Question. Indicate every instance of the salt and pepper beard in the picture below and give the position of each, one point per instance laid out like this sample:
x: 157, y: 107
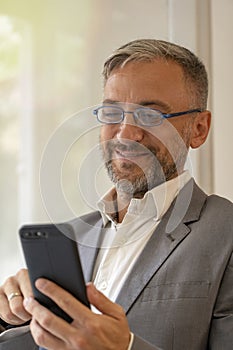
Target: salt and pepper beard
x: 161, y: 168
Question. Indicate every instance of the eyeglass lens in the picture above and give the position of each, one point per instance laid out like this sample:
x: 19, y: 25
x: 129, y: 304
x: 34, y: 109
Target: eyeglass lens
x: 142, y: 116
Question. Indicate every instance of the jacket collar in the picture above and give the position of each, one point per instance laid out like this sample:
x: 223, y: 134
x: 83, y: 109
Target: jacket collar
x: 171, y: 231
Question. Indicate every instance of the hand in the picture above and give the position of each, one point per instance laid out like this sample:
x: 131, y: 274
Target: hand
x: 88, y: 330
x: 12, y: 311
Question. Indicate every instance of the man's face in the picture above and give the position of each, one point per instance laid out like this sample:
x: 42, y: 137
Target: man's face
x: 139, y: 158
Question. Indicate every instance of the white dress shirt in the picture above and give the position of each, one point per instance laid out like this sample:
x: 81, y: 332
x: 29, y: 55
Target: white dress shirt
x: 124, y: 242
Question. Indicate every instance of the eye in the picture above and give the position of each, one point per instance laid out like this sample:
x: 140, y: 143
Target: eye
x: 110, y: 113
x: 149, y: 117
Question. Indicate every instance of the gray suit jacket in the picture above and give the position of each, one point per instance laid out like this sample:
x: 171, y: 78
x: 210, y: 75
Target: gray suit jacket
x: 179, y: 294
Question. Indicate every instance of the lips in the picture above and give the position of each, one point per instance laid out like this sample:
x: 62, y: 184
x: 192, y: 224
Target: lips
x: 127, y: 154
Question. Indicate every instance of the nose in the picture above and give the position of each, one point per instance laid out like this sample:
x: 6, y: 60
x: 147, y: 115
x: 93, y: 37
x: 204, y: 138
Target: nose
x: 129, y: 130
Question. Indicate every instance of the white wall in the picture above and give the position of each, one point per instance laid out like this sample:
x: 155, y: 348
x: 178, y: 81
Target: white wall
x: 222, y: 78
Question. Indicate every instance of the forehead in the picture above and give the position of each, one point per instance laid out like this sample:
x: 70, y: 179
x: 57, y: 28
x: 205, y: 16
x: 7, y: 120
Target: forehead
x: 143, y: 81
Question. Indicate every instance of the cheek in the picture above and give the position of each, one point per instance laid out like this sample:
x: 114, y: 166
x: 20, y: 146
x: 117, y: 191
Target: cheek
x: 107, y: 132
x: 155, y: 140
x: 164, y: 136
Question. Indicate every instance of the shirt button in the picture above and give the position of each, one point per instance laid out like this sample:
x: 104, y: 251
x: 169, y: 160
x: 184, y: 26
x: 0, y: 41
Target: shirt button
x: 103, y: 285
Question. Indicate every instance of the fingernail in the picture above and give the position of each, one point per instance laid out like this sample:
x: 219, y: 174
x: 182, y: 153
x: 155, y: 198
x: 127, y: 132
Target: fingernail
x: 92, y: 286
x: 41, y: 283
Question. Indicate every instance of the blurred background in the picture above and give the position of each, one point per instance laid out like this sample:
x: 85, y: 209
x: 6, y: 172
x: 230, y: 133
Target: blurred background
x: 51, y: 56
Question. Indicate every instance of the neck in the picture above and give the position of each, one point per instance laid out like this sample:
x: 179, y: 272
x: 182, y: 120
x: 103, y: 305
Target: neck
x: 123, y: 198
x: 123, y: 201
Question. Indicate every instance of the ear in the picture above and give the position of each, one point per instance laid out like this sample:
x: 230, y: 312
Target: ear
x: 201, y: 129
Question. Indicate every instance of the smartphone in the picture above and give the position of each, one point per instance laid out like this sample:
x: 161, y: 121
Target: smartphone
x: 50, y: 252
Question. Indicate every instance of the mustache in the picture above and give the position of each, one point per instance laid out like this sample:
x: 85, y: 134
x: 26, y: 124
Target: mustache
x: 129, y: 146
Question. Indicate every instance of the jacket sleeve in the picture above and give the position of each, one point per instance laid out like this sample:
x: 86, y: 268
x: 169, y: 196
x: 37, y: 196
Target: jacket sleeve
x: 221, y: 332
x: 140, y: 344
x: 19, y: 341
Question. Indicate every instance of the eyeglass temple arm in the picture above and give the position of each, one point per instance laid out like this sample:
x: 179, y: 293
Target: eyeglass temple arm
x: 181, y: 113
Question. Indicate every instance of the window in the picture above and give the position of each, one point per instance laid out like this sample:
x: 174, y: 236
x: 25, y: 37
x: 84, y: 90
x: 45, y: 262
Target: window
x: 10, y: 110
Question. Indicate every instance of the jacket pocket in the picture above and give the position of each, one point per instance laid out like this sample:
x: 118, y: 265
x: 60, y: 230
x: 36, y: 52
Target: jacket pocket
x: 180, y: 290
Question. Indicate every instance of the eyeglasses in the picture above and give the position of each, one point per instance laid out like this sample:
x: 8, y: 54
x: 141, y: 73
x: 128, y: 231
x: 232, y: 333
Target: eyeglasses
x: 142, y: 116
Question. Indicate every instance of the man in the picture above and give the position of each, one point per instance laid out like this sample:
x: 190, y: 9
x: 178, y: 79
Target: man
x: 165, y: 279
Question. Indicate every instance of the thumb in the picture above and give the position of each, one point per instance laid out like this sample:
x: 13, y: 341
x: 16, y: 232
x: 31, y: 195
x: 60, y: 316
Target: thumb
x: 102, y: 303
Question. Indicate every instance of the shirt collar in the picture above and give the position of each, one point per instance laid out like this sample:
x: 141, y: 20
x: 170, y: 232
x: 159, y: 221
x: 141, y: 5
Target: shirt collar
x: 154, y: 204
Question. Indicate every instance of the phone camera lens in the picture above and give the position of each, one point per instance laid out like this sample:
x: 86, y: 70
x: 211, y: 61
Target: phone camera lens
x: 27, y: 234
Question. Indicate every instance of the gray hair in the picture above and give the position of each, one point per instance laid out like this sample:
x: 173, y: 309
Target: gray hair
x: 195, y: 74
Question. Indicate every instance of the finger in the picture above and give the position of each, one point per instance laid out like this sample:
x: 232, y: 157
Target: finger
x: 48, y: 321
x: 103, y: 304
x: 24, y: 283
x: 118, y: 331
x: 44, y: 338
x: 15, y: 304
x: 64, y: 300
x: 6, y: 313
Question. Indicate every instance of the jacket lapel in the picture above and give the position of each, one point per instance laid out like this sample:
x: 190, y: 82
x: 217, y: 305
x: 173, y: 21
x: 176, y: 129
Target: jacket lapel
x: 169, y: 234
x: 88, y: 235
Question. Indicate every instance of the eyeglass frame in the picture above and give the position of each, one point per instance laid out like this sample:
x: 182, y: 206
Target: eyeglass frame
x: 123, y: 112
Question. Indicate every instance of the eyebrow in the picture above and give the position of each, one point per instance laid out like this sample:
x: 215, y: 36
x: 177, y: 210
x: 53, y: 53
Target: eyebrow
x: 144, y: 103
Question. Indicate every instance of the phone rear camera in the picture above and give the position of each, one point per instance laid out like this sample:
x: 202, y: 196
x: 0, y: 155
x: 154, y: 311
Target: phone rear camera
x: 27, y: 234
x: 40, y: 234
